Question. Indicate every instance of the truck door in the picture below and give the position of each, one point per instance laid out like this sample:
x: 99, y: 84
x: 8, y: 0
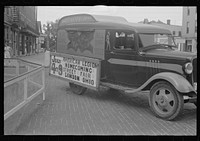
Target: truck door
x: 124, y: 61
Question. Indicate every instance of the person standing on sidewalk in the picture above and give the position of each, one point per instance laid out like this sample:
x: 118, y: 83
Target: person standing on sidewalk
x: 7, y: 51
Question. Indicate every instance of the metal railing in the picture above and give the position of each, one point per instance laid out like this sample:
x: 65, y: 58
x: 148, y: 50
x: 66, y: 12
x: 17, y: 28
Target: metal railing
x: 23, y: 81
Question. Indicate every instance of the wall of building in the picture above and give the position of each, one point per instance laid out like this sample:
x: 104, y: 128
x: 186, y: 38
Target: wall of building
x: 191, y: 18
x: 28, y: 22
x: 27, y: 15
x: 7, y: 23
x: 190, y: 23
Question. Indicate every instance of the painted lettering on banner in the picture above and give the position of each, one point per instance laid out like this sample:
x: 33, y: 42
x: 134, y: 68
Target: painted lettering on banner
x: 76, y: 69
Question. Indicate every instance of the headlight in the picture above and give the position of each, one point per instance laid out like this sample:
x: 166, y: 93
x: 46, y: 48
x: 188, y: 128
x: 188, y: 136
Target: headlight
x: 188, y: 68
x: 195, y: 86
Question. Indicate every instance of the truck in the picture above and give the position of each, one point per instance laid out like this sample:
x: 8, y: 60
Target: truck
x: 98, y: 50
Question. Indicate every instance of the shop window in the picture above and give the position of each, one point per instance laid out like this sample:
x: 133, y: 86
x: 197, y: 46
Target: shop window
x: 189, y: 48
x: 124, y: 40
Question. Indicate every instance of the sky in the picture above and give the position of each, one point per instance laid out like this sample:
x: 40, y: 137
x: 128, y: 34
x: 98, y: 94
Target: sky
x: 133, y: 14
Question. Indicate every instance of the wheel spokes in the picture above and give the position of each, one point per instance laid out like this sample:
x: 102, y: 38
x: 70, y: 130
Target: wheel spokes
x: 162, y: 92
x: 169, y: 97
x: 164, y: 100
x: 169, y: 106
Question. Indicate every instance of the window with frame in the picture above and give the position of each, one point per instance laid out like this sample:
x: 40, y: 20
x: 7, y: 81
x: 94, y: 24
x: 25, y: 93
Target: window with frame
x: 188, y: 11
x: 187, y: 28
x: 124, y: 40
x: 179, y: 33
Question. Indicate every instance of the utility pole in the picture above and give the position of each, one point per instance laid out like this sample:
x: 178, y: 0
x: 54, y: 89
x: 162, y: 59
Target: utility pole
x: 48, y: 34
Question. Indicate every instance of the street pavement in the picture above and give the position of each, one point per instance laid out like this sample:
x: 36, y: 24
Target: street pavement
x: 99, y: 113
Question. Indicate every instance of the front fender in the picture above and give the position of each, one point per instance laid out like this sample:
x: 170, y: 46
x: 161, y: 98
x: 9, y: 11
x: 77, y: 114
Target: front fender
x: 178, y: 81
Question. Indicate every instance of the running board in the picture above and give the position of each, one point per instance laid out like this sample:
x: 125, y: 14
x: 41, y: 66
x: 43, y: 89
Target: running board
x: 120, y: 87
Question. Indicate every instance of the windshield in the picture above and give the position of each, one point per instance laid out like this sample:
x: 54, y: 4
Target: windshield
x: 155, y: 39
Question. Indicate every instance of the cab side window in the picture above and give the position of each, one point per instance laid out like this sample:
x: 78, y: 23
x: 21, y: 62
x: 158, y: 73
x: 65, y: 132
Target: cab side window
x: 124, y: 40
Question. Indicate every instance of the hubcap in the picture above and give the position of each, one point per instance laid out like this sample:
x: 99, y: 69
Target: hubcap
x: 164, y: 101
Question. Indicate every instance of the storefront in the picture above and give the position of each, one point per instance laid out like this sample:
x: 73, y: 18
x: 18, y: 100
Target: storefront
x: 191, y: 45
x: 180, y: 43
x: 27, y: 42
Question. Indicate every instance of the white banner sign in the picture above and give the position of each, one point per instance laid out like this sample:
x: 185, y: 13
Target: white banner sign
x: 75, y: 69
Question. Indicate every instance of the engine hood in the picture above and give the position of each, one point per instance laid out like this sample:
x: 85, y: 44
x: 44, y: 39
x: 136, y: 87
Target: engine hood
x: 171, y: 53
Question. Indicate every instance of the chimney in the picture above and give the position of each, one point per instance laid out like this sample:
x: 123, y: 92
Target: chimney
x: 168, y: 22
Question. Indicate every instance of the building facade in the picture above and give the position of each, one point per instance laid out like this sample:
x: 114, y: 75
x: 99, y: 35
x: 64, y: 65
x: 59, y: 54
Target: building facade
x: 9, y: 27
x: 189, y: 28
x: 176, y: 31
x: 41, y: 38
x: 20, y: 27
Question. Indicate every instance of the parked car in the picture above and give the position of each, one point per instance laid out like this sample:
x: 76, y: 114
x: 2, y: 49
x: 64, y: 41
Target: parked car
x: 97, y: 50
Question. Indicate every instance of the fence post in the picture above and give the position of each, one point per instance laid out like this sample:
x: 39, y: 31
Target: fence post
x: 17, y: 68
x: 43, y: 82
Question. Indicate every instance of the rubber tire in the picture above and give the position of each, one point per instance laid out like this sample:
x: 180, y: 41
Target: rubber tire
x: 77, y: 89
x: 179, y: 102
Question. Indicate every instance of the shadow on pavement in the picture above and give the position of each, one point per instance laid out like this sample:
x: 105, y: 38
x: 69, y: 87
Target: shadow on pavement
x: 136, y: 100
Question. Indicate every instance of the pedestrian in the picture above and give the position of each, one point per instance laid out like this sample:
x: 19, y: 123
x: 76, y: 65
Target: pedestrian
x: 7, y: 50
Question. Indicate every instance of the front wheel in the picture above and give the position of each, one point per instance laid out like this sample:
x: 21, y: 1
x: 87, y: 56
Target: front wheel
x: 165, y: 101
x: 77, y: 89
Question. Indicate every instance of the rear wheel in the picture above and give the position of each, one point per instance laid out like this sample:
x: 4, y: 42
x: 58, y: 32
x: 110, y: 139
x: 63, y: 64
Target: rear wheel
x: 77, y: 89
x: 165, y: 101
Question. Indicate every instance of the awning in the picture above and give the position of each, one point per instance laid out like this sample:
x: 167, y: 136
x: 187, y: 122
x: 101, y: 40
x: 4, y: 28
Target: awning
x: 30, y: 32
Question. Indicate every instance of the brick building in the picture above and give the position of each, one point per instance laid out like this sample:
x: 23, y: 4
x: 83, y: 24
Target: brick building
x: 20, y: 27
